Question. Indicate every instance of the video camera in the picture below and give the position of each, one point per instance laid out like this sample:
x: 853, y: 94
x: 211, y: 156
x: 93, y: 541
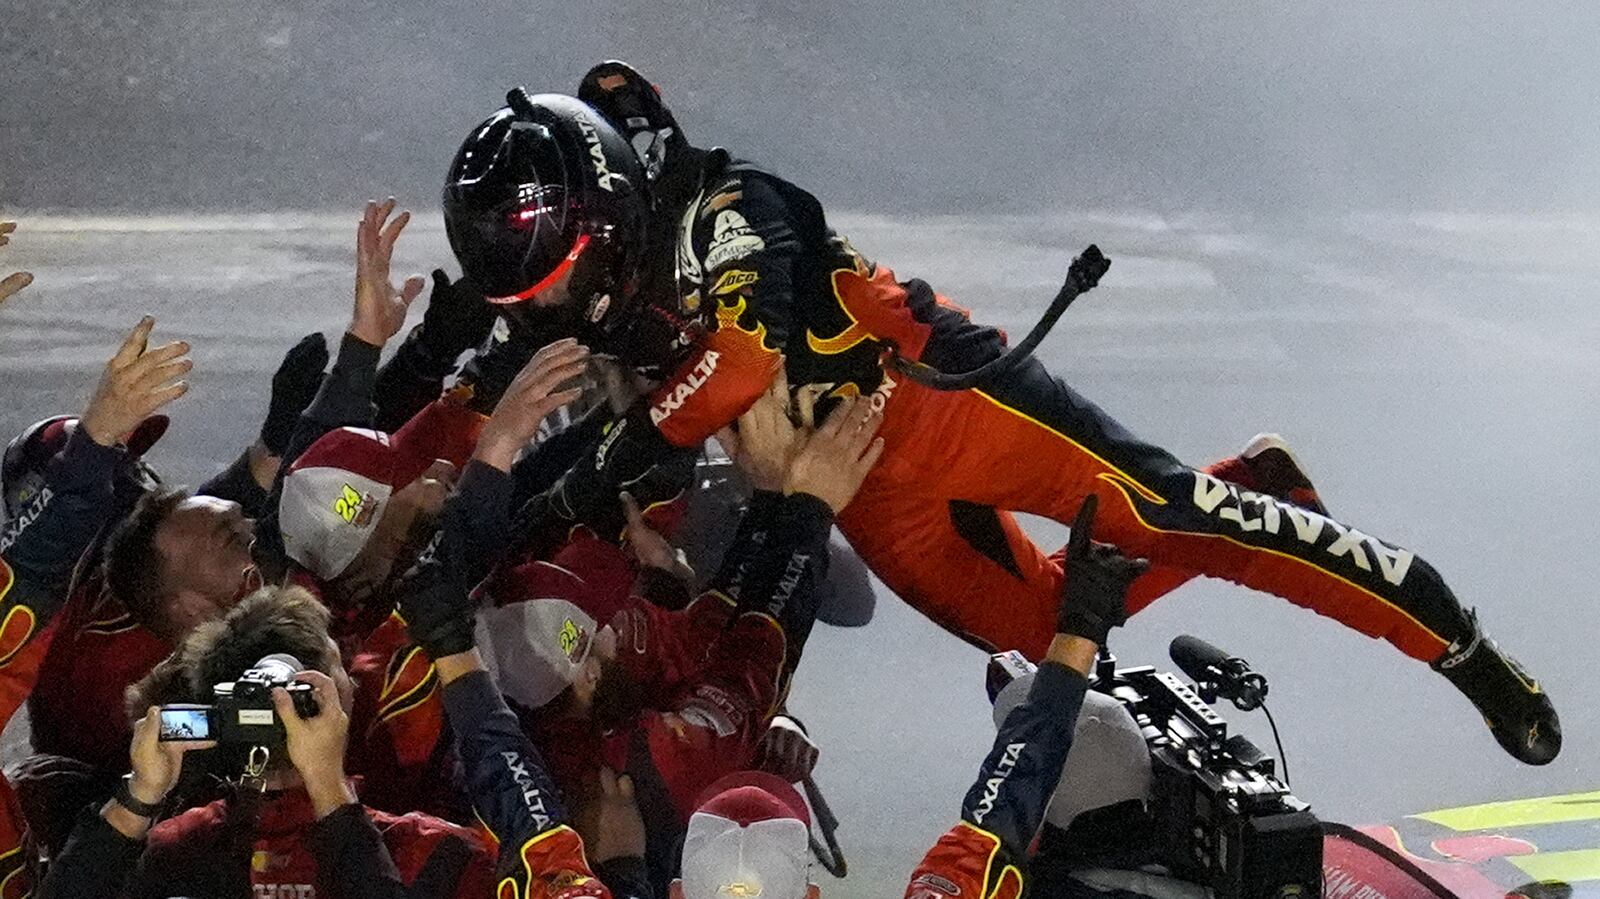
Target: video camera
x: 242, y: 713
x: 1221, y: 816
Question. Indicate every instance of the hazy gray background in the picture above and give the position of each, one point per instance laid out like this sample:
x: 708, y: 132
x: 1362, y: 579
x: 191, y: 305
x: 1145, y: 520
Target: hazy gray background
x: 1376, y: 230
x: 915, y: 105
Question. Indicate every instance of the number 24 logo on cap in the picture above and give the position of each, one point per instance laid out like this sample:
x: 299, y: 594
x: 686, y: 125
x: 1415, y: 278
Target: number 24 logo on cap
x: 353, y: 507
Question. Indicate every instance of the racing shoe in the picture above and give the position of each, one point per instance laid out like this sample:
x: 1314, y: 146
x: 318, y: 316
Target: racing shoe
x: 1515, y: 707
x: 1267, y: 466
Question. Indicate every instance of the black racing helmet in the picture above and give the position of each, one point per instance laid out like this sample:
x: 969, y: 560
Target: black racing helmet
x: 543, y: 187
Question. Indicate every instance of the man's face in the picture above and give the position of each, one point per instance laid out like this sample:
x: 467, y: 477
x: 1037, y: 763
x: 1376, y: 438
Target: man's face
x: 612, y: 695
x: 341, y: 678
x: 205, y: 554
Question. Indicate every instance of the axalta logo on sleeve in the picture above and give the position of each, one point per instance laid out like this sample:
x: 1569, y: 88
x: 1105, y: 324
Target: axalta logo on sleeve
x: 25, y: 518
x: 532, y: 797
x: 680, y: 394
x: 991, y: 787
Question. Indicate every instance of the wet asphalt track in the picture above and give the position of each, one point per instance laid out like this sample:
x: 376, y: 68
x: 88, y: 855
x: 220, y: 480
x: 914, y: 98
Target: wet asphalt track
x: 1438, y: 374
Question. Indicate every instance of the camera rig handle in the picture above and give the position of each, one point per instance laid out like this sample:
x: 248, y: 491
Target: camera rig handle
x: 1082, y: 276
x: 827, y: 853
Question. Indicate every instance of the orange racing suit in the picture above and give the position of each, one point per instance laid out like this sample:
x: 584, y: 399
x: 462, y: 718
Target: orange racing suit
x: 762, y: 282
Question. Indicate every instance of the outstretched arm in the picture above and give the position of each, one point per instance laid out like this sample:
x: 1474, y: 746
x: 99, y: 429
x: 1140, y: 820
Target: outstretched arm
x: 983, y: 854
x: 510, y: 785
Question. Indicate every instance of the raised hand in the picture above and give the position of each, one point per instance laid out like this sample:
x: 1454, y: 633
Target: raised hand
x: 765, y: 438
x: 531, y: 397
x: 619, y: 832
x: 15, y: 281
x: 457, y: 319
x: 833, y: 462
x: 136, y: 382
x: 650, y: 548
x: 380, y: 309
x: 294, y: 386
x: 316, y: 745
x: 1094, y: 597
x: 786, y: 751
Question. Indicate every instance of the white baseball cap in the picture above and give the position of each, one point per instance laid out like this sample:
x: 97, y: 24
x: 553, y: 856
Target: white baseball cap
x: 535, y: 648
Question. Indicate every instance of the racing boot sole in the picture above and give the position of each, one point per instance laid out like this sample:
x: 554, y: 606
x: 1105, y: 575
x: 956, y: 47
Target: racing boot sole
x: 1267, y: 466
x: 1512, y: 703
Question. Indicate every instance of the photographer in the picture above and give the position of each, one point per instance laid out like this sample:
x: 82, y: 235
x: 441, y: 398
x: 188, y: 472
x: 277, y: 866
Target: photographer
x: 1097, y: 836
x: 299, y: 830
x: 985, y: 855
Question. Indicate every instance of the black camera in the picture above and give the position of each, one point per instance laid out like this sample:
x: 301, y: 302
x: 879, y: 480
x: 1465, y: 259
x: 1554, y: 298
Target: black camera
x: 242, y: 712
x: 1221, y: 818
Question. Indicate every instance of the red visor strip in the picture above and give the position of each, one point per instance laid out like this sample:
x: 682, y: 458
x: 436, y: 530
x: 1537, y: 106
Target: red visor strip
x: 553, y: 277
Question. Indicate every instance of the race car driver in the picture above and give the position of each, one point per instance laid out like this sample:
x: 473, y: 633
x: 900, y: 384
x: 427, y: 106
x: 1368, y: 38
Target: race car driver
x: 713, y: 273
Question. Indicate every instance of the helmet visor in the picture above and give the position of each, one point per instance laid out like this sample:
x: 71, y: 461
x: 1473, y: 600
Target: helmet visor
x: 511, y: 249
x: 511, y: 212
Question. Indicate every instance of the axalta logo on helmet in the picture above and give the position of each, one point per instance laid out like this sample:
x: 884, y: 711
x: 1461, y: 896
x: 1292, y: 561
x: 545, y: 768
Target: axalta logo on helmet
x: 597, y: 155
x: 697, y: 378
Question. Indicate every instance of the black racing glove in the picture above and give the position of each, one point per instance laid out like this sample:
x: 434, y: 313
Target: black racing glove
x: 439, y: 617
x: 294, y: 385
x: 1094, y: 597
x: 630, y: 448
x: 436, y: 594
x: 457, y: 319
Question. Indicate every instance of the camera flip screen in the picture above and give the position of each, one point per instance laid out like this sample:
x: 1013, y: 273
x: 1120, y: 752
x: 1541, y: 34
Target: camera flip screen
x: 185, y: 724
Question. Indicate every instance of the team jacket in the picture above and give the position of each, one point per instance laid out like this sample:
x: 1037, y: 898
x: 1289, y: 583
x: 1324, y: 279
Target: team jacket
x: 760, y: 281
x: 353, y: 853
x: 98, y: 651
x: 983, y: 856
x: 38, y: 551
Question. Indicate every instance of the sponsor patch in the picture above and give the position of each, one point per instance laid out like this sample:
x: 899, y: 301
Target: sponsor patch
x: 713, y: 709
x: 732, y: 239
x: 732, y: 280
x: 938, y: 883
